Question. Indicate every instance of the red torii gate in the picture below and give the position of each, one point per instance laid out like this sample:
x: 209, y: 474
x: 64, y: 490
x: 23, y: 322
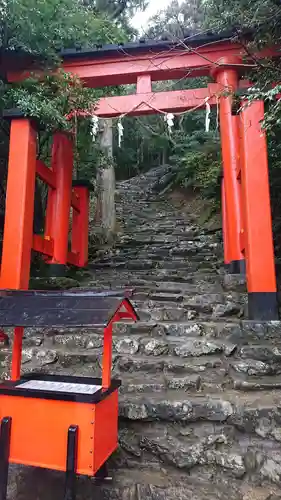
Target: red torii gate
x: 247, y: 226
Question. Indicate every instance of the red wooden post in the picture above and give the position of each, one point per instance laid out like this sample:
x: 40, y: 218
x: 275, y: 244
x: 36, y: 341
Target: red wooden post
x: 144, y: 84
x: 18, y: 229
x: 225, y: 228
x: 259, y: 251
x: 227, y: 77
x: 49, y: 230
x: 59, y: 211
x: 17, y: 353
x: 107, y: 356
x: 80, y: 225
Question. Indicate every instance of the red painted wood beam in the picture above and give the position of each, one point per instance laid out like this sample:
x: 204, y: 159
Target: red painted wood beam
x: 46, y: 174
x: 75, y: 201
x: 148, y: 103
x: 171, y: 65
x: 173, y: 101
x: 168, y: 66
x: 43, y: 245
x: 73, y: 259
x: 144, y: 84
x: 46, y: 247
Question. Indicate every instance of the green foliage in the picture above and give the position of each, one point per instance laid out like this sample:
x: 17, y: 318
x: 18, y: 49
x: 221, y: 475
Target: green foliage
x: 50, y: 99
x: 198, y: 162
x: 263, y: 17
x: 116, y: 8
x: 43, y: 27
x: 178, y: 19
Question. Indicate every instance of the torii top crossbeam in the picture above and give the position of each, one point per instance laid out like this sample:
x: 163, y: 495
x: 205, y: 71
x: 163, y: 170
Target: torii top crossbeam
x: 122, y: 64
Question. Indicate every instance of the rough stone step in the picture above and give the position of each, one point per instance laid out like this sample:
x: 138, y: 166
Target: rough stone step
x: 212, y: 366
x: 160, y: 228
x: 166, y: 221
x: 149, y: 264
x: 151, y: 232
x: 257, y: 383
x: 172, y: 234
x: 190, y: 344
x: 245, y: 333
x: 201, y: 302
x: 173, y: 277
x: 150, y: 287
x: 159, y: 299
x: 127, y: 241
x: 157, y: 284
x: 158, y: 260
x: 175, y: 406
x: 172, y: 313
x: 232, y: 329
x: 170, y: 249
x: 157, y: 479
x: 161, y: 255
x: 132, y: 384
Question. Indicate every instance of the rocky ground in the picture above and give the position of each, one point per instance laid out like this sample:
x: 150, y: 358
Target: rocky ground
x: 200, y: 410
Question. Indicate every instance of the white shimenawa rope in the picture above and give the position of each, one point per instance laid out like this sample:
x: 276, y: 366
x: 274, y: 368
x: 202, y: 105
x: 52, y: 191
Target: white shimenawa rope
x: 207, y: 120
x: 169, y: 119
x: 95, y: 127
x: 120, y: 132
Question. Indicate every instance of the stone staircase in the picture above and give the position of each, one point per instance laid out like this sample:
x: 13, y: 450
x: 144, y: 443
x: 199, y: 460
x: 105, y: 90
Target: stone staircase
x: 200, y: 404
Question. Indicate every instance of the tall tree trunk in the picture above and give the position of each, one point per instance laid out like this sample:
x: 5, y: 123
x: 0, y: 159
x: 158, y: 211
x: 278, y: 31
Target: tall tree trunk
x: 105, y: 209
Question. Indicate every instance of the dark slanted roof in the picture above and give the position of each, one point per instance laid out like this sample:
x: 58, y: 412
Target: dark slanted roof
x: 17, y: 60
x: 99, y: 51
x: 60, y: 308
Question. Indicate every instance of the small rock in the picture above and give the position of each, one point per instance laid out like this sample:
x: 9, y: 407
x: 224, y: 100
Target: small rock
x: 33, y: 341
x: 186, y: 383
x: 129, y: 442
x: 231, y: 461
x: 276, y: 433
x: 134, y: 411
x: 266, y: 353
x: 198, y: 347
x: 252, y: 367
x: 27, y: 355
x: 46, y: 356
x: 94, y: 342
x: 127, y: 346
x: 229, y: 349
x: 264, y: 427
x: 227, y: 309
x: 194, y: 330
x: 156, y: 347
x: 271, y: 468
x: 191, y: 315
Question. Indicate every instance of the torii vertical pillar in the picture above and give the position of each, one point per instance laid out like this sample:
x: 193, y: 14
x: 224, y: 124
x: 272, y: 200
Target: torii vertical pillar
x: 259, y: 250
x: 18, y: 228
x: 59, y: 203
x: 19, y: 211
x: 80, y: 222
x: 227, y: 258
x: 227, y: 76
